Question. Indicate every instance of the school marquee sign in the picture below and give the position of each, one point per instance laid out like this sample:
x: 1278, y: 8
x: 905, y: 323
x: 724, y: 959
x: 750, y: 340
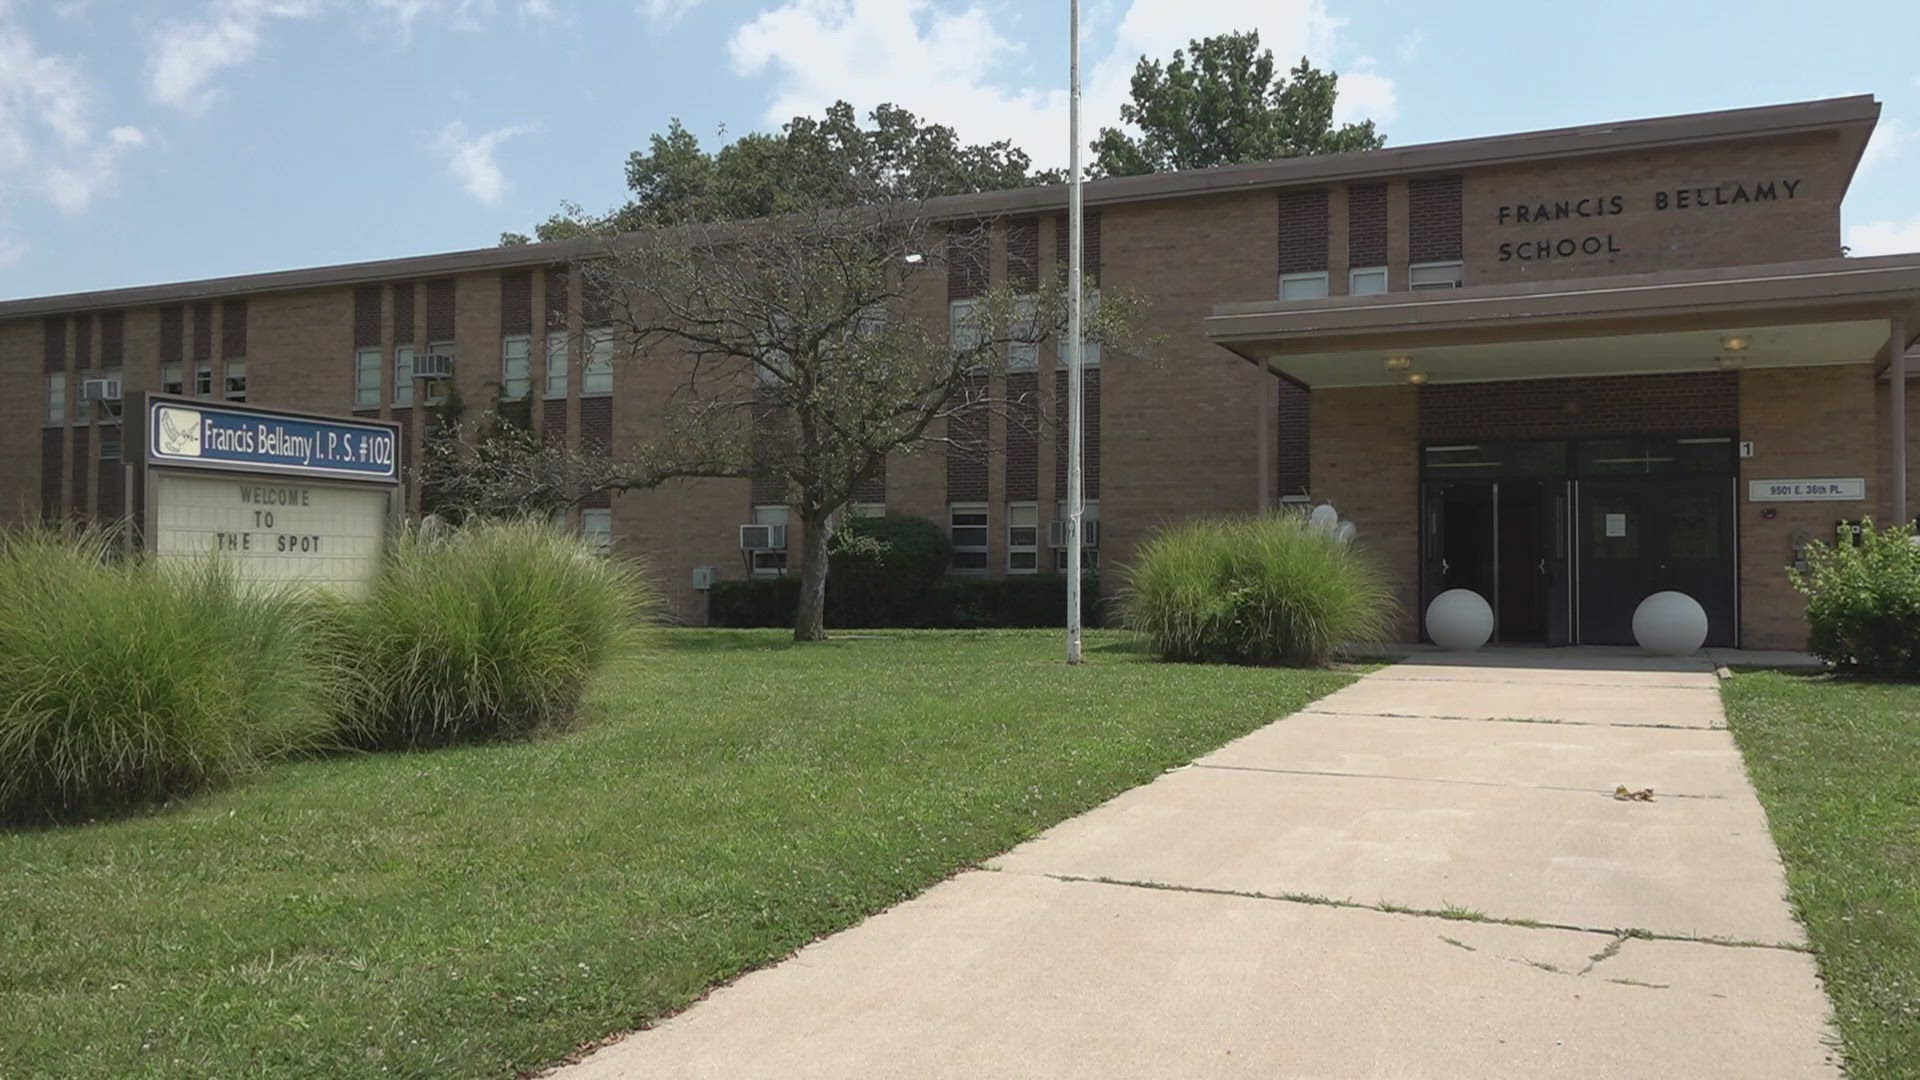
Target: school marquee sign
x: 285, y: 497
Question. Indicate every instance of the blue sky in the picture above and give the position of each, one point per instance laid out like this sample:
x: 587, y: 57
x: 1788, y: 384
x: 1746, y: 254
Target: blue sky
x: 159, y: 141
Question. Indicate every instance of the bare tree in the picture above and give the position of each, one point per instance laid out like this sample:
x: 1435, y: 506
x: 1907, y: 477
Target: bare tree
x: 807, y: 349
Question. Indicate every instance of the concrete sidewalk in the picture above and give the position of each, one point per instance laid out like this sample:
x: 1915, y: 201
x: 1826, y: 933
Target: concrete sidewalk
x: 1425, y: 874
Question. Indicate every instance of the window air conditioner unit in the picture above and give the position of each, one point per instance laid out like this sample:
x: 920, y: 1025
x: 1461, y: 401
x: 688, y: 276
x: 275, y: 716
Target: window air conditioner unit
x: 1089, y: 533
x: 100, y: 390
x: 763, y: 537
x: 433, y: 366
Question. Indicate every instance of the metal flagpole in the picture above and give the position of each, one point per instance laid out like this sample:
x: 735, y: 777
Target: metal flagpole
x: 1076, y: 493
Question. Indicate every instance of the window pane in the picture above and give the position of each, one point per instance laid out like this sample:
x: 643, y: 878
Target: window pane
x: 1023, y: 514
x: 1435, y: 276
x: 1368, y: 282
x: 1023, y: 560
x: 56, y: 398
x: 969, y: 536
x: 1023, y: 536
x: 557, y: 359
x: 598, y: 376
x: 961, y: 328
x: 236, y: 380
x: 970, y: 560
x: 366, y: 378
x: 403, y: 375
x: 172, y: 381
x: 1303, y: 286
x: 203, y: 379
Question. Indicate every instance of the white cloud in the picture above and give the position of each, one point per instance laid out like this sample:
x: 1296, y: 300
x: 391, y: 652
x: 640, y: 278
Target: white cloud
x: 955, y: 66
x: 187, y: 55
x: 470, y: 160
x: 1884, y: 237
x: 667, y: 11
x: 48, y: 145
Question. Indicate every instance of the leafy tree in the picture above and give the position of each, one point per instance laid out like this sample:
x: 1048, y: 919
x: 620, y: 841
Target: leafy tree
x: 1218, y: 103
x: 809, y: 162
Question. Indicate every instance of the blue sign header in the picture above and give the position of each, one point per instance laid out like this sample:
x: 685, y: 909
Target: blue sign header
x: 219, y: 437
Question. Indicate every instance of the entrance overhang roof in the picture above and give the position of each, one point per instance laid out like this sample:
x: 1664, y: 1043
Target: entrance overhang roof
x: 1827, y: 311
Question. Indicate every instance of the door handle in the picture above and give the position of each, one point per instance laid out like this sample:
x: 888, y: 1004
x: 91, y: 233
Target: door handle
x: 1543, y: 567
x: 1443, y: 565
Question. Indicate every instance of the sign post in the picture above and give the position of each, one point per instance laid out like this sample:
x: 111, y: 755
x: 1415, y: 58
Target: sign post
x: 283, y: 496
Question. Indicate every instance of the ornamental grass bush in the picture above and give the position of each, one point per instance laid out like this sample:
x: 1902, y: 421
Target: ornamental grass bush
x: 482, y: 633
x: 1263, y: 589
x: 1863, y: 602
x: 130, y: 682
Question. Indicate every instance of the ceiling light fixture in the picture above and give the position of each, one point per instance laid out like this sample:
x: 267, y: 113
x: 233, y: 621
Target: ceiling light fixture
x: 1417, y: 378
x: 1399, y: 362
x: 1735, y: 342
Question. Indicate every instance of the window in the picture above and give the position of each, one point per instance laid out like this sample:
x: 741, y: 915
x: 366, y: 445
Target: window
x: 57, y: 397
x: 1367, y: 281
x: 557, y: 361
x: 769, y: 563
x: 1435, y: 275
x: 865, y: 510
x: 234, y: 374
x: 1308, y: 286
x: 402, y: 376
x: 1089, y: 343
x: 1090, y: 529
x: 597, y: 378
x: 366, y: 379
x: 597, y: 527
x: 963, y: 331
x: 114, y: 409
x: 516, y: 371
x: 967, y: 525
x: 109, y: 444
x: 172, y: 379
x: 1024, y: 355
x: 437, y: 388
x: 203, y: 379
x: 1023, y: 538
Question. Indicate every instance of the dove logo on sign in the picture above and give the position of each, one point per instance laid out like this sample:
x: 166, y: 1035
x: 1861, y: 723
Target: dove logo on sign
x: 179, y: 432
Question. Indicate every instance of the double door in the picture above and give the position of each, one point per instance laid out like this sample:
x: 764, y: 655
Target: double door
x: 1647, y: 535
x: 1508, y: 541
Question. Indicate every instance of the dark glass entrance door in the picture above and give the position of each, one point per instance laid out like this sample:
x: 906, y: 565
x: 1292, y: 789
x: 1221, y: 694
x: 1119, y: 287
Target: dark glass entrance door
x: 1507, y: 541
x: 1642, y: 536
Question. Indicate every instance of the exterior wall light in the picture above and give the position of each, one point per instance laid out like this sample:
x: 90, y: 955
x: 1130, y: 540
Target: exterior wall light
x: 1417, y: 378
x: 1734, y: 343
x: 1399, y: 363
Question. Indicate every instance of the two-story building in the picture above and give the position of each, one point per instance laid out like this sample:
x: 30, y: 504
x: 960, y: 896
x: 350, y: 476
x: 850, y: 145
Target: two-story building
x: 1564, y: 368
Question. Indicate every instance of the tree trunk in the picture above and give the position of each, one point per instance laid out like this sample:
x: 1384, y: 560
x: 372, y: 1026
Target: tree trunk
x: 810, y: 619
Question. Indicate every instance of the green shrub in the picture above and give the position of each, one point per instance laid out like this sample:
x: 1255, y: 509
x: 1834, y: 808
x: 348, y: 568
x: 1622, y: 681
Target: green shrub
x: 132, y: 682
x: 882, y: 568
x: 1863, y: 602
x: 1266, y: 589
x: 487, y: 632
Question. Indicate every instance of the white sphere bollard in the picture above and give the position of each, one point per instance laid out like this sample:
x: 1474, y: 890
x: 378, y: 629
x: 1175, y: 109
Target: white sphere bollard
x: 1670, y: 624
x: 1460, y: 619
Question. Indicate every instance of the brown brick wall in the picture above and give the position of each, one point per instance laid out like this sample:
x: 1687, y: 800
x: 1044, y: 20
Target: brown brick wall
x: 516, y: 302
x: 1303, y: 231
x: 440, y: 309
x: 1293, y: 418
x: 967, y: 451
x: 83, y: 342
x: 233, y: 327
x: 405, y: 330
x: 78, y: 504
x: 113, y: 338
x: 1090, y: 437
x: 172, y: 334
x: 53, y: 441
x: 1434, y: 219
x: 53, y: 337
x: 1366, y: 463
x: 366, y: 316
x: 1803, y: 422
x: 1640, y: 238
x: 1022, y: 438
x: 1684, y: 403
x: 969, y: 249
x: 202, y: 331
x: 1090, y: 249
x: 1367, y: 225
x: 1023, y: 253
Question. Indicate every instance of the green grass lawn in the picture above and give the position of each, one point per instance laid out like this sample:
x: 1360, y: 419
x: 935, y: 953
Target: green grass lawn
x: 1837, y: 764
x: 480, y: 912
